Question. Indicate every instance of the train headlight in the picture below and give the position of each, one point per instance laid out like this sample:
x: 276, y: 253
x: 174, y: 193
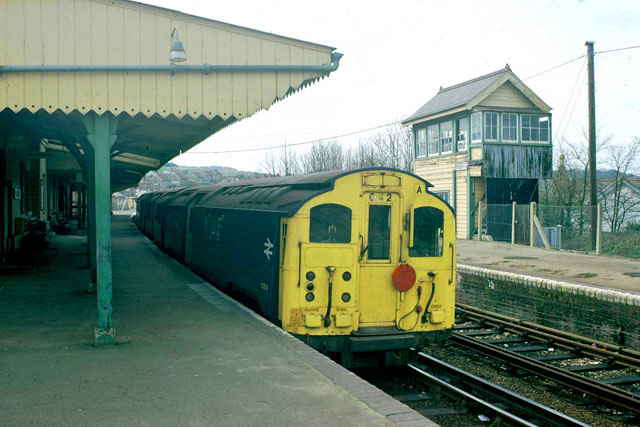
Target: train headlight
x: 346, y: 276
x: 309, y: 296
x: 310, y: 286
x: 310, y: 275
x: 346, y: 297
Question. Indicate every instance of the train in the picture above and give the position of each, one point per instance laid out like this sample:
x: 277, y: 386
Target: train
x: 358, y: 264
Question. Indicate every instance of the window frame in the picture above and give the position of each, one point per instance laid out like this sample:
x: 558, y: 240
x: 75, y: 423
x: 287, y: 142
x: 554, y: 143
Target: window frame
x: 412, y: 233
x: 386, y: 238
x: 435, y: 127
x: 442, y: 193
x: 530, y: 128
x: 450, y: 138
x: 348, y: 233
x: 472, y: 118
x: 423, y: 143
x: 466, y: 135
x: 516, y: 127
x: 486, y: 115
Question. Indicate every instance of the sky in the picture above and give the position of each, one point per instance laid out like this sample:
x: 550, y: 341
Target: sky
x: 397, y: 54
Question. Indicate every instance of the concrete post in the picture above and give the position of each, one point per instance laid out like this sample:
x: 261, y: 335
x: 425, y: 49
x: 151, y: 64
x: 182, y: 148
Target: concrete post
x: 599, y: 229
x: 513, y: 224
x: 480, y: 220
x: 101, y: 135
x: 532, y: 224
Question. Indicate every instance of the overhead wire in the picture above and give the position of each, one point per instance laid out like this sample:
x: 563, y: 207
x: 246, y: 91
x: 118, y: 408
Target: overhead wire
x: 618, y: 49
x: 294, y: 144
x: 555, y: 67
x: 317, y: 140
x: 566, y: 108
x: 573, y: 107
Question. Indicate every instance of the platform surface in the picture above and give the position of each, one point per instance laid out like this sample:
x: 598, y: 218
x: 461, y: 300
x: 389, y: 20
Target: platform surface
x: 186, y: 354
x: 621, y: 274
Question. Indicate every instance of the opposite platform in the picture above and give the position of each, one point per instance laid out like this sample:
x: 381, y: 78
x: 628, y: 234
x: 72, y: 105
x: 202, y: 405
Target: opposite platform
x: 622, y: 274
x: 186, y: 354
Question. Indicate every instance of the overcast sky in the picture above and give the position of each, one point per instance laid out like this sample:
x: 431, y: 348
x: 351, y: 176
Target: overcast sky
x: 398, y: 53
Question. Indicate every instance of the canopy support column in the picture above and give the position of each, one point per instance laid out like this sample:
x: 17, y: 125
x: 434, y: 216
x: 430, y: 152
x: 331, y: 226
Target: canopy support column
x: 101, y: 134
x: 91, y: 223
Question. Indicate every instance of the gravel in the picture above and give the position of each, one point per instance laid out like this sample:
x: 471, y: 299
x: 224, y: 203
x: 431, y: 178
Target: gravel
x: 540, y: 390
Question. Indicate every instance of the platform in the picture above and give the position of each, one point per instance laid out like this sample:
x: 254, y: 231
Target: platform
x: 622, y: 274
x: 186, y: 354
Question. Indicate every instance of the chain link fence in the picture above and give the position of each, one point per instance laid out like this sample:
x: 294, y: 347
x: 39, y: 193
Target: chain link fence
x: 564, y: 227
x: 571, y: 223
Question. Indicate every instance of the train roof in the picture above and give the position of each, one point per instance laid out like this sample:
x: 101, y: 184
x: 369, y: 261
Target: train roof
x: 280, y: 195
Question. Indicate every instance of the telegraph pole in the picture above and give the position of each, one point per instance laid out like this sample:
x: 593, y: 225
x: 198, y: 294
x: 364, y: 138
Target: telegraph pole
x: 592, y: 144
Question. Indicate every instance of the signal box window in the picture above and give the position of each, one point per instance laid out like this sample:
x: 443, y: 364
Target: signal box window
x: 428, y: 232
x: 379, y: 231
x: 330, y: 223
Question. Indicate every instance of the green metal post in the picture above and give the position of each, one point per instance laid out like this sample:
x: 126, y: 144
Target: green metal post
x: 101, y: 135
x: 91, y: 223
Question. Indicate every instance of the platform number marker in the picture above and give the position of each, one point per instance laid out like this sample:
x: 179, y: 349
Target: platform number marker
x: 268, y: 246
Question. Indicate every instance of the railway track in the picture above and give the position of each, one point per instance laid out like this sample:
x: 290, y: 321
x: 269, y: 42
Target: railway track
x: 504, y: 406
x: 604, y: 371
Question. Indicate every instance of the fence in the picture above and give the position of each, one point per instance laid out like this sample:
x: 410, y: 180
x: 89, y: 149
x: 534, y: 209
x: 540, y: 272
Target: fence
x: 557, y: 227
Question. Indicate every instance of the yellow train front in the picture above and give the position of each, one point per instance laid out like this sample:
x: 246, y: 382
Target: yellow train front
x: 356, y: 263
x: 369, y: 266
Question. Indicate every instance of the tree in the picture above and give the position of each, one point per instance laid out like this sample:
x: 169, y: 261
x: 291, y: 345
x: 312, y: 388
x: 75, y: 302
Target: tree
x: 568, y: 190
x: 392, y: 148
x: 616, y: 202
x: 323, y: 156
x: 284, y: 163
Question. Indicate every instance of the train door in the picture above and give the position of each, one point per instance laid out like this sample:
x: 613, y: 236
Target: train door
x: 379, y: 254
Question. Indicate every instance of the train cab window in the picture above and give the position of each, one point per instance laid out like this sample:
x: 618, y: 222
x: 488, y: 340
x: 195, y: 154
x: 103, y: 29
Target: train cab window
x: 428, y: 232
x: 330, y: 223
x: 379, y: 231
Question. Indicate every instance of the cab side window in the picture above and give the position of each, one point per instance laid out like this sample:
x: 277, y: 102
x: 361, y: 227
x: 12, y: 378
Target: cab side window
x: 428, y: 232
x: 330, y: 223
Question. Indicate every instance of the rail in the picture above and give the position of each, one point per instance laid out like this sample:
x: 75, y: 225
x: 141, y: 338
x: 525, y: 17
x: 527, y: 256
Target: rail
x: 492, y: 397
x: 531, y: 338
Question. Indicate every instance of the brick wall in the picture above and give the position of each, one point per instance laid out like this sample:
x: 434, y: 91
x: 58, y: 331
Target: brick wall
x: 602, y: 314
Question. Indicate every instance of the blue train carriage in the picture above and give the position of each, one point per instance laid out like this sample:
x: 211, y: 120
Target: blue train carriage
x: 348, y: 261
x: 177, y: 236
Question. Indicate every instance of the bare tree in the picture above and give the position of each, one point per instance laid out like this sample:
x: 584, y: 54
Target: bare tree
x: 392, y: 147
x: 323, y: 156
x: 271, y: 163
x: 365, y: 155
x: 569, y: 187
x: 617, y: 201
x: 284, y: 163
x: 289, y: 163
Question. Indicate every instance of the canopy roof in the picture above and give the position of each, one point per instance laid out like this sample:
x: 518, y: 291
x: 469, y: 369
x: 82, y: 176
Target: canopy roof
x: 161, y: 113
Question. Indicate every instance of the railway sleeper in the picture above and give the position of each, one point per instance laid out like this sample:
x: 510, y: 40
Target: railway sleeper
x: 554, y: 357
x: 527, y: 348
x: 628, y: 379
x: 589, y: 368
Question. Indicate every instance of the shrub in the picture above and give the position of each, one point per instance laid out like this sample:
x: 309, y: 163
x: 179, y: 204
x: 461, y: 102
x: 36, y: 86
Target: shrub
x: 633, y: 226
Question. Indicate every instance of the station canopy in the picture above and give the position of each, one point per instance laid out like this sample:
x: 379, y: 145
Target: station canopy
x: 63, y: 61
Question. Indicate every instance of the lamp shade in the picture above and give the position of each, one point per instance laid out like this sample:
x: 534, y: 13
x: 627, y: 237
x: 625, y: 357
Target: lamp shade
x: 177, y: 53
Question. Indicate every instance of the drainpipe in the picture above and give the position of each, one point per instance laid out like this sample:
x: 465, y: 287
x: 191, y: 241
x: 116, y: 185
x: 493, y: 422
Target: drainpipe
x: 173, y: 68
